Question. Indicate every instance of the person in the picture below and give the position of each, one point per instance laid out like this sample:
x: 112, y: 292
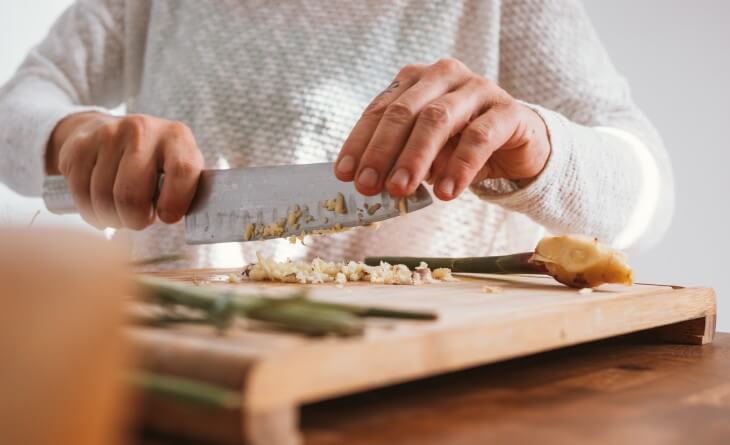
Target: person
x: 511, y: 109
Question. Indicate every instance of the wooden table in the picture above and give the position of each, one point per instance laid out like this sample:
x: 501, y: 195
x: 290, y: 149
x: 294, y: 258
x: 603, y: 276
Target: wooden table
x: 623, y: 390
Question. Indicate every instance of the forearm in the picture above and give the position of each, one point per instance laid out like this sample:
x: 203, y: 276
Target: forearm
x: 51, y: 85
x: 608, y: 174
x: 30, y: 109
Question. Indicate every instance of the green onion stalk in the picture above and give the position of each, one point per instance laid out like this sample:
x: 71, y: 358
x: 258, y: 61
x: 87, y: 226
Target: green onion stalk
x: 295, y: 312
x: 518, y: 263
x: 185, y: 390
x: 574, y: 260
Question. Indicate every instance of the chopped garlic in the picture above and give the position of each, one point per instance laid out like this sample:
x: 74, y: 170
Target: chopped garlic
x: 334, y: 229
x: 275, y: 229
x: 424, y: 273
x: 293, y: 217
x: 336, y: 205
x: 402, y: 205
x: 234, y: 278
x: 320, y: 271
x: 340, y: 205
x: 492, y: 289
x: 443, y: 274
x: 250, y: 230
x: 373, y: 208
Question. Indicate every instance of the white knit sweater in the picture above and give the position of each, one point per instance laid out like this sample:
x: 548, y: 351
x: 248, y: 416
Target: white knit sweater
x: 279, y: 82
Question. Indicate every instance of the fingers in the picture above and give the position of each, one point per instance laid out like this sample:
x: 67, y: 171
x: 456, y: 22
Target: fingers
x: 135, y: 180
x: 101, y: 187
x: 182, y: 163
x: 478, y: 141
x: 76, y: 163
x: 438, y: 168
x: 360, y: 136
x: 438, y: 121
x: 397, y: 122
x: 111, y: 165
x: 79, y: 183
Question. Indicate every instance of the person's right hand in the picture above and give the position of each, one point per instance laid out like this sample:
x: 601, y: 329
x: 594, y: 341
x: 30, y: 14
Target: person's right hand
x: 111, y: 165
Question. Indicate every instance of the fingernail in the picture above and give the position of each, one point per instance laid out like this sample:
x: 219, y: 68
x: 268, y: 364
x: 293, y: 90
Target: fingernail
x: 400, y: 178
x: 446, y: 187
x: 368, y: 177
x: 346, y: 164
x: 168, y: 216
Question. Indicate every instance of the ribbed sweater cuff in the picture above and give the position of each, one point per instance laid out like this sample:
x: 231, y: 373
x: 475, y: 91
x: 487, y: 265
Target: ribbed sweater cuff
x: 531, y: 198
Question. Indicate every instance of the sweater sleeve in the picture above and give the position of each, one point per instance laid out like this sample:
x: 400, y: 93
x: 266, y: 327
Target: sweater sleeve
x: 608, y: 174
x: 77, y: 67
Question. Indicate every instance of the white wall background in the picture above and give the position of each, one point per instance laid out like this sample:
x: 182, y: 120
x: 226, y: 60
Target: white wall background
x: 675, y: 53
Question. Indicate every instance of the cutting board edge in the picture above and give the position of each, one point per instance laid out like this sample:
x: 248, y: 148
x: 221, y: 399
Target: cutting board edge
x: 265, y: 379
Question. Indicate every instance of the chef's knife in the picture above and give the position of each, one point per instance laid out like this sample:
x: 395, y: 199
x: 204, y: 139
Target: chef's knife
x: 249, y: 204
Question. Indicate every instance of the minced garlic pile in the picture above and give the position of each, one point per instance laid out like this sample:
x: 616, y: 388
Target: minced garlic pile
x: 320, y: 271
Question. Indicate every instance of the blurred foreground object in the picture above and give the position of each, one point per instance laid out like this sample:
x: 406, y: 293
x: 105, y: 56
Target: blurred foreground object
x: 61, y: 344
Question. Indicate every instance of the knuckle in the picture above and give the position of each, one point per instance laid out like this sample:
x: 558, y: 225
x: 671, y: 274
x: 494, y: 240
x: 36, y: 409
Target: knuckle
x: 134, y: 124
x: 409, y: 70
x: 106, y: 132
x: 128, y: 198
x: 415, y: 159
x: 399, y: 113
x: 478, y: 134
x: 436, y: 114
x: 375, y: 109
x: 179, y: 130
x: 375, y: 154
x: 511, y: 106
x: 503, y: 99
x: 449, y: 65
x: 482, y: 83
x: 133, y: 128
x: 183, y: 167
x: 464, y: 164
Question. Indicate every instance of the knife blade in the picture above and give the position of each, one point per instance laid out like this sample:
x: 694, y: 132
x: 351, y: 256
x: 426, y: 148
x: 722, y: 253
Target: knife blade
x: 250, y: 204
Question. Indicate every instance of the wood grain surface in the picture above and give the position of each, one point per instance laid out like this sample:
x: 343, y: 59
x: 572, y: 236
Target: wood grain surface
x: 622, y: 390
x: 616, y: 391
x: 277, y: 372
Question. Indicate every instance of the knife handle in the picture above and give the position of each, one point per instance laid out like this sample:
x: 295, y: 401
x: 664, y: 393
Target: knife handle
x: 60, y: 201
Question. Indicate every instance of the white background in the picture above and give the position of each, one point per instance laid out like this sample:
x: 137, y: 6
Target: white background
x: 676, y: 55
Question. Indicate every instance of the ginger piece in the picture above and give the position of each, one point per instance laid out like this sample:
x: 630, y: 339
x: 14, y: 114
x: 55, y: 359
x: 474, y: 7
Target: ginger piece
x: 581, y: 261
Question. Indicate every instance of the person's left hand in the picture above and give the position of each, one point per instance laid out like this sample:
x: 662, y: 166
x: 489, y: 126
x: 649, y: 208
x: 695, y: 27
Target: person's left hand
x: 445, y: 124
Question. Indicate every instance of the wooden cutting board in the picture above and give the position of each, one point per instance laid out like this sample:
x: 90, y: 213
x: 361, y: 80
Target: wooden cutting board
x: 277, y: 372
